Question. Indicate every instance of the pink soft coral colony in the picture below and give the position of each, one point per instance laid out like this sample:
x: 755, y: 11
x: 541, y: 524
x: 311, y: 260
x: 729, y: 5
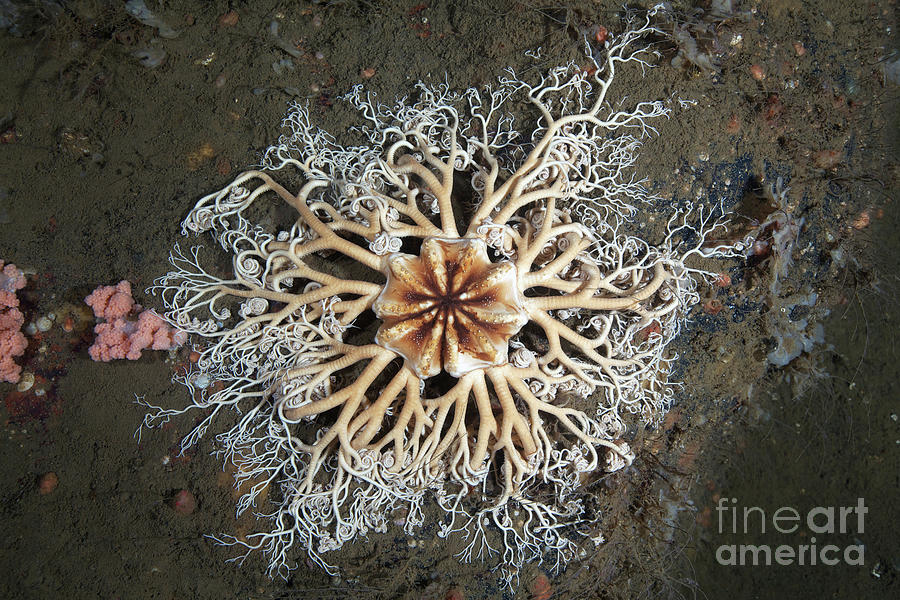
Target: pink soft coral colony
x: 123, y: 337
x: 12, y: 342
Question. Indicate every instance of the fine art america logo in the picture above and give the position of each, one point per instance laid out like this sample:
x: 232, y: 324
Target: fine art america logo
x: 819, y: 521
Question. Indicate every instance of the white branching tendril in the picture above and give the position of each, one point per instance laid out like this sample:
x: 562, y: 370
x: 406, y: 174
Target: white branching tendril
x: 385, y: 244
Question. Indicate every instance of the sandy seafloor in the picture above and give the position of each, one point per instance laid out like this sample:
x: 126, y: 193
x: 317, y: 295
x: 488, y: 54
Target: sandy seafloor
x: 101, y: 157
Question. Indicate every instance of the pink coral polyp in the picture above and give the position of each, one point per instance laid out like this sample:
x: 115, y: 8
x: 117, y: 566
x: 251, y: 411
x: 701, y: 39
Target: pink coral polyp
x: 12, y: 342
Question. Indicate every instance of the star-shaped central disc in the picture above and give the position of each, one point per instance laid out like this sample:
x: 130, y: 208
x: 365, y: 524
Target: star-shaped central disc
x: 449, y: 307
